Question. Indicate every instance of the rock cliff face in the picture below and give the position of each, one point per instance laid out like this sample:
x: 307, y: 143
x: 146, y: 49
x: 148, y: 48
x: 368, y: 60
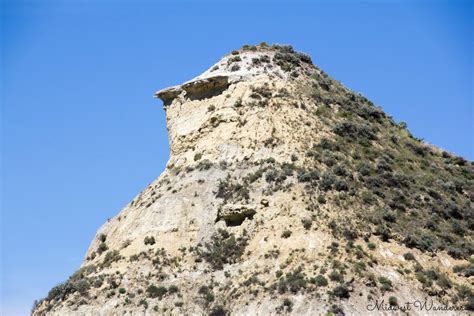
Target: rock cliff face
x: 285, y: 193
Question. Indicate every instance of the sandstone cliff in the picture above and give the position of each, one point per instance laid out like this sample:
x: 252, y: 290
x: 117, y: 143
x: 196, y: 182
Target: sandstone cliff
x: 285, y: 193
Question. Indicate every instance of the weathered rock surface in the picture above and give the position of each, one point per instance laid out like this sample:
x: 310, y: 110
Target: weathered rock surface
x: 235, y: 214
x: 285, y: 193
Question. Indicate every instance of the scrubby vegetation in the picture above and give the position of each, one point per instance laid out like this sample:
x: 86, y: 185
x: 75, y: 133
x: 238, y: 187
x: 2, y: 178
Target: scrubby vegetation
x: 366, y: 179
x: 224, y: 248
x: 154, y: 291
x: 79, y: 282
x: 411, y: 191
x: 231, y: 190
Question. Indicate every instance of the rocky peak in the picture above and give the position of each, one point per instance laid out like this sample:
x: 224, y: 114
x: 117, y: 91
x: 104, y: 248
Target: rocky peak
x: 285, y: 193
x: 244, y: 64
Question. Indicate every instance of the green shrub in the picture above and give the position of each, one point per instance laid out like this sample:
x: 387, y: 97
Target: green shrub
x: 173, y: 289
x: 78, y: 282
x: 335, y: 311
x: 234, y: 59
x: 371, y: 245
x: 261, y: 92
x: 143, y: 302
x: 419, y: 240
x: 466, y: 269
x: 228, y: 190
x: 470, y: 303
x: 359, y: 266
x: 102, y: 237
x: 288, y: 304
x: 341, y: 291
x: 252, y: 177
x: 307, y: 222
x: 197, y: 156
x: 206, y: 293
x: 102, y: 247
x: 327, y: 181
x: 341, y: 185
x: 149, y: 240
x: 420, y: 276
x: 364, y: 169
x: 349, y: 234
x: 443, y: 281
x: 81, y: 286
x: 224, y: 248
x: 409, y: 256
x: 292, y: 282
x: 286, y: 233
x: 392, y: 300
x: 340, y: 170
x: 456, y: 253
x: 383, y: 232
x: 389, y: 216
x: 235, y: 67
x: 98, y: 282
x: 386, y: 284
x: 308, y: 176
x: 111, y: 257
x: 321, y: 199
x: 354, y: 131
x: 154, y: 291
x: 321, y: 280
x: 336, y: 276
x: 218, y: 311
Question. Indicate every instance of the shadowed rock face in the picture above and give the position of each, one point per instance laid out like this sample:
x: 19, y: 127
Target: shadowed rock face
x: 195, y: 90
x: 206, y: 88
x: 234, y: 215
x: 284, y: 193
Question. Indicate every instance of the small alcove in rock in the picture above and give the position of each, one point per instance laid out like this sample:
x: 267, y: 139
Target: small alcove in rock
x: 235, y: 214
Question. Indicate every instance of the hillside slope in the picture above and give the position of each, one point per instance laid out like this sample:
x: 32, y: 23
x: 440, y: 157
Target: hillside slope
x: 285, y: 193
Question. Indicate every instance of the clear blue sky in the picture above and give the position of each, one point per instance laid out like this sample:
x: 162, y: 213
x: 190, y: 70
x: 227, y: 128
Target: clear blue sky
x: 82, y: 135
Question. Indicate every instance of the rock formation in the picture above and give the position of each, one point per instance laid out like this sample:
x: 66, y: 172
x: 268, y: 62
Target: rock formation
x: 285, y: 193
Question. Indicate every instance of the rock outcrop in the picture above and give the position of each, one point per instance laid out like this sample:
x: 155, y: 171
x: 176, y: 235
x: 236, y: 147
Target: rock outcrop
x: 235, y: 214
x: 285, y: 193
